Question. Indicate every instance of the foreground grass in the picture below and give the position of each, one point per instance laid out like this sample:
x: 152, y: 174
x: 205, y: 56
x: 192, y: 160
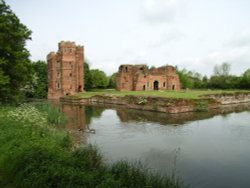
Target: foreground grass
x: 34, y: 153
x: 185, y: 94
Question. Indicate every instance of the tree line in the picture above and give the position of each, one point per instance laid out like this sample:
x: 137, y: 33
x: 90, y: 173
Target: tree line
x: 20, y: 77
x: 97, y: 79
x: 220, y: 79
x: 36, y: 87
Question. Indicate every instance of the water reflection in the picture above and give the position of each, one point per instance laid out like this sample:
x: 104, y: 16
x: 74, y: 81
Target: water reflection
x: 212, y: 152
x: 127, y: 115
x: 76, y: 121
x: 208, y: 149
x: 93, y: 112
x: 81, y: 116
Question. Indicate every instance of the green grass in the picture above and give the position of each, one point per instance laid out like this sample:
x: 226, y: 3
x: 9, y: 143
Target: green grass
x: 185, y: 94
x: 54, y: 115
x: 36, y: 154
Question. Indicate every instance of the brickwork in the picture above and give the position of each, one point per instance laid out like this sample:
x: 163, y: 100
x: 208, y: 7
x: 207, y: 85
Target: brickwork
x: 65, y: 70
x: 140, y: 77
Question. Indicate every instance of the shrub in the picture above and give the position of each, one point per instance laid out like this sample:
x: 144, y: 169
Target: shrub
x: 28, y: 114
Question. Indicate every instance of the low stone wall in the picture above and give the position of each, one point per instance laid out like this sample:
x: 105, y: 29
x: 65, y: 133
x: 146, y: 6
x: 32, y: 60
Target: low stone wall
x: 166, y: 105
x: 159, y: 104
x: 233, y: 98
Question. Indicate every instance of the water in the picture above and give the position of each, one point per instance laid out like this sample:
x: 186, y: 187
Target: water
x: 205, y: 149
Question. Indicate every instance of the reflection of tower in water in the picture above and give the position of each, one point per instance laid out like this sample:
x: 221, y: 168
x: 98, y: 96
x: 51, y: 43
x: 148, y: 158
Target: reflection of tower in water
x: 75, y: 115
x: 78, y: 119
x: 76, y: 122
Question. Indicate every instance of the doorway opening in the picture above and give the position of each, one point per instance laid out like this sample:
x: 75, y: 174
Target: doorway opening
x: 79, y: 88
x: 156, y: 85
x: 173, y: 87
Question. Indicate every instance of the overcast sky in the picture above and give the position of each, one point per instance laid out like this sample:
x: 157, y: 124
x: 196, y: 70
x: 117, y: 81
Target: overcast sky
x: 192, y: 34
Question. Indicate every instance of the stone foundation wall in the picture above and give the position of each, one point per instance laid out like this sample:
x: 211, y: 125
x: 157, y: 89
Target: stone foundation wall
x: 148, y: 103
x: 166, y: 105
x: 230, y: 98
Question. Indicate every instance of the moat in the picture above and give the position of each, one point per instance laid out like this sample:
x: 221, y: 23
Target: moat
x: 205, y: 149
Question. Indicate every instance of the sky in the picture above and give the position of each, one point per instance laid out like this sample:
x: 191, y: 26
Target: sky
x: 191, y: 34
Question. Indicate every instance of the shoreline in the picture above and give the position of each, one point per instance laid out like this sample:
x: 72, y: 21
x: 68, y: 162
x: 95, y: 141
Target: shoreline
x: 164, y: 104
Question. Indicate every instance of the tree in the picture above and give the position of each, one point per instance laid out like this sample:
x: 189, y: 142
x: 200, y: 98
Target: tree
x: 15, y: 65
x: 99, y: 79
x: 112, y: 81
x: 205, y: 82
x: 87, y: 77
x: 222, y: 70
x: 184, y: 78
x: 222, y: 78
x: 37, y: 86
x: 245, y: 80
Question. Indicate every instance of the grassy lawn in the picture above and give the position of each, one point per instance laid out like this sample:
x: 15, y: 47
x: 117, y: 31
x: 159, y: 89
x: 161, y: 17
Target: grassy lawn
x: 186, y: 94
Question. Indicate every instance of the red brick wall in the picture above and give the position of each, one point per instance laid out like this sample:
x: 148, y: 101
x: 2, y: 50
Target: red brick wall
x: 65, y: 70
x: 139, y: 77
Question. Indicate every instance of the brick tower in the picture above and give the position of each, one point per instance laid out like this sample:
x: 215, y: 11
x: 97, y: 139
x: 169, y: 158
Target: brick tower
x: 65, y: 70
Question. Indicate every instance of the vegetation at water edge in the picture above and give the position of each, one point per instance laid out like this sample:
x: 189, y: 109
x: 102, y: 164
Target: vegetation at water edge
x: 35, y: 153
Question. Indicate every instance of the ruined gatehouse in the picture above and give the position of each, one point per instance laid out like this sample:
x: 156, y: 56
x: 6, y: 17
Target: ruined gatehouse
x: 140, y: 77
x: 65, y: 70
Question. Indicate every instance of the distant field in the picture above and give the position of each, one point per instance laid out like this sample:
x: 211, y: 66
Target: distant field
x: 186, y: 94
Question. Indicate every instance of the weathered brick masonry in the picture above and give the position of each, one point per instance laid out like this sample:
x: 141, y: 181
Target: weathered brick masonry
x: 140, y: 77
x: 65, y: 70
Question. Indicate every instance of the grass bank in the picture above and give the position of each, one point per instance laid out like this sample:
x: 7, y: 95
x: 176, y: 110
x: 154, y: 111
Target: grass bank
x: 34, y: 153
x: 185, y: 94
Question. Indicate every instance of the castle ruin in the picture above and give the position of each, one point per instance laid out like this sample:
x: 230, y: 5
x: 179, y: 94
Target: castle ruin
x: 65, y: 70
x: 140, y: 77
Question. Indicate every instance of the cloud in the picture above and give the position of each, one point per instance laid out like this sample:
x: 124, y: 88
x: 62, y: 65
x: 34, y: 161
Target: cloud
x: 241, y: 39
x: 162, y: 11
x: 239, y: 58
x: 235, y: 50
x: 111, y: 64
x: 166, y: 37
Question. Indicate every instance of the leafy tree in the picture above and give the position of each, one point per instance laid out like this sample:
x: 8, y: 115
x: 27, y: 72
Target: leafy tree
x: 222, y: 82
x: 99, y: 79
x: 40, y: 75
x: 87, y: 77
x: 112, y: 82
x: 37, y: 86
x: 245, y: 80
x: 185, y: 78
x: 15, y: 65
x: 205, y: 82
x: 222, y: 78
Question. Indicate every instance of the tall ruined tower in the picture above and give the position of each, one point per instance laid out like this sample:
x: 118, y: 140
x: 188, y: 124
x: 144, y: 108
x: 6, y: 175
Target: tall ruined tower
x: 65, y: 70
